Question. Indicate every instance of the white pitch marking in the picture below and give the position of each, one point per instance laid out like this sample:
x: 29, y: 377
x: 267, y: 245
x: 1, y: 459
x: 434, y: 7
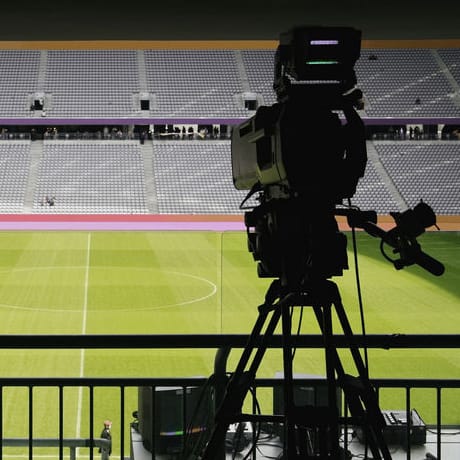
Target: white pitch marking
x: 211, y: 293
x: 83, y: 331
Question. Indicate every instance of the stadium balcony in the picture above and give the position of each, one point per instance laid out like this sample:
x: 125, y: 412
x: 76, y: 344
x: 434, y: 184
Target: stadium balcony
x: 433, y: 438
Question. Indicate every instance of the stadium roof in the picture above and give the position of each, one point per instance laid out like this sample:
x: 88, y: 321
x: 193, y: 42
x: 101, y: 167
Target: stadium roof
x: 218, y: 20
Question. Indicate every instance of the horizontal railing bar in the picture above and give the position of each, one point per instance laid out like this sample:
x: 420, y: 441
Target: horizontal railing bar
x: 221, y: 340
x: 101, y: 381
x: 56, y: 442
x: 197, y: 381
x: 382, y: 383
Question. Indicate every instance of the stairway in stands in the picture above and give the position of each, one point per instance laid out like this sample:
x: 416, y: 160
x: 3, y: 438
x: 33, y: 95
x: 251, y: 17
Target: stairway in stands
x: 36, y: 152
x: 150, y: 186
x: 373, y: 156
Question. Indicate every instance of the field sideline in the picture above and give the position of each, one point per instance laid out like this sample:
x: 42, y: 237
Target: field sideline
x: 125, y: 282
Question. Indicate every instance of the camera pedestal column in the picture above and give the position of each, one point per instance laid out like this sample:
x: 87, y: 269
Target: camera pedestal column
x: 310, y: 432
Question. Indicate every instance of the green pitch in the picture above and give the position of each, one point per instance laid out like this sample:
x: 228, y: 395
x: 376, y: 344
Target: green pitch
x: 196, y: 282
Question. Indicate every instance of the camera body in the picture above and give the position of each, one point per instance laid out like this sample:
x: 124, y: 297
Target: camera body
x: 302, y: 157
x: 300, y: 141
x: 302, y: 145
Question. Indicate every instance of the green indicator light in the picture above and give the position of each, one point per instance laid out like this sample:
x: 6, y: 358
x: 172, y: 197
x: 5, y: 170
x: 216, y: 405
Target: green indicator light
x: 321, y: 62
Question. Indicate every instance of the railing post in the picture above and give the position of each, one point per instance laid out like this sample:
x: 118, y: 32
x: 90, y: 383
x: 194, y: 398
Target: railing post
x: 1, y: 422
x: 61, y: 422
x: 72, y: 453
x: 438, y: 422
x: 122, y: 422
x: 220, y: 384
x: 31, y: 421
x: 91, y: 421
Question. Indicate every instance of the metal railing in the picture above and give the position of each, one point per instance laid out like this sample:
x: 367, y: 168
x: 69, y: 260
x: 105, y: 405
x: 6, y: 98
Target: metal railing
x: 222, y: 343
x: 71, y: 444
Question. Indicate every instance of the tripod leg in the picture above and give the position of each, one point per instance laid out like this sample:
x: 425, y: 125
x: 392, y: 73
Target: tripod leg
x: 241, y: 380
x: 363, y: 387
x: 289, y: 423
x: 359, y: 393
x: 330, y: 373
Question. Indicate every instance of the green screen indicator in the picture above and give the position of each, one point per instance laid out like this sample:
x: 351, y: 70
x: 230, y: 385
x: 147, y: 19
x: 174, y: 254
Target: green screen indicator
x: 321, y: 62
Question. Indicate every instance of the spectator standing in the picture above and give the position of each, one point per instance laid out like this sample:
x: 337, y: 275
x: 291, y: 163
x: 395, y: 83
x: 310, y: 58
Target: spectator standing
x: 106, y: 434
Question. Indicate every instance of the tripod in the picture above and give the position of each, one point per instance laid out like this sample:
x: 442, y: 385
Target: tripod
x: 302, y: 424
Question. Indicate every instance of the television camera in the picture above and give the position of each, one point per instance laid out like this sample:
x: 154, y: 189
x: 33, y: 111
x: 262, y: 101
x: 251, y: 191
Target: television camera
x: 301, y: 160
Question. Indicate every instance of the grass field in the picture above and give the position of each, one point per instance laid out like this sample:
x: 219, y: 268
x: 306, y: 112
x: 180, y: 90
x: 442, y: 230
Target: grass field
x: 195, y: 282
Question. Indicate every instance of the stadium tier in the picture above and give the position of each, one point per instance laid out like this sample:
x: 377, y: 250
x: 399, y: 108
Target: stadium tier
x: 194, y: 83
x: 451, y: 58
x: 90, y: 177
x: 207, y: 84
x: 259, y: 70
x: 19, y: 79
x: 123, y: 91
x: 195, y: 177
x: 427, y: 171
x: 14, y: 165
x: 407, y: 83
x: 97, y: 83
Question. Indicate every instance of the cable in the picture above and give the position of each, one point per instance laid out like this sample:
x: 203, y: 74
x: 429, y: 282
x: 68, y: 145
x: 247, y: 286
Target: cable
x: 299, y: 326
x: 360, y: 303
x: 192, y: 446
x: 257, y: 187
x: 360, y: 299
x: 257, y: 433
x: 443, y: 433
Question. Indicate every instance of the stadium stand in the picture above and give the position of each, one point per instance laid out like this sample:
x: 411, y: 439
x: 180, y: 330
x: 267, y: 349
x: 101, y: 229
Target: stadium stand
x: 195, y: 177
x: 209, y: 83
x: 372, y: 192
x: 404, y: 83
x: 451, y: 58
x: 91, y: 83
x: 14, y: 167
x: 18, y: 81
x: 194, y: 83
x: 91, y: 177
x: 259, y: 69
x: 425, y: 170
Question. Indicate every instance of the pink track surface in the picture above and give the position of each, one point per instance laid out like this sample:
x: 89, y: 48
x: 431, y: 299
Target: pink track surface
x: 148, y: 222
x: 121, y: 222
